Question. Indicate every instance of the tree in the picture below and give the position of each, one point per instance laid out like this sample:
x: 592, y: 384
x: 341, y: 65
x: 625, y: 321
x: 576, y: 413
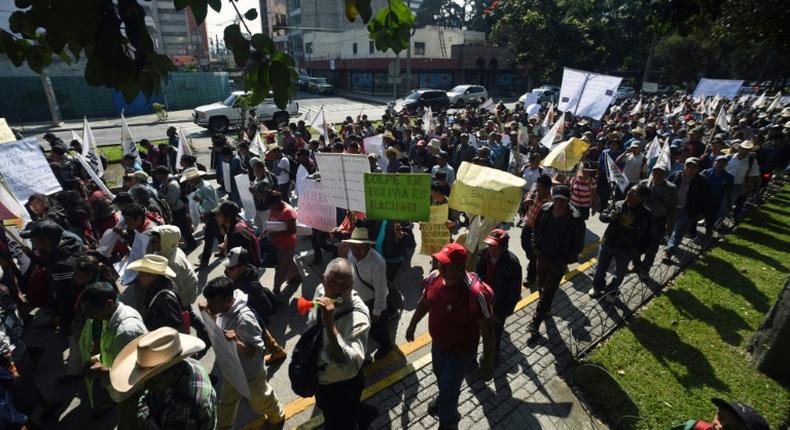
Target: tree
x: 111, y: 35
x: 441, y: 13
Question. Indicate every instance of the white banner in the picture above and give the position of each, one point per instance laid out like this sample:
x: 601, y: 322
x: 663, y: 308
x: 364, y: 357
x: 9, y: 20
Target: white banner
x: 227, y: 356
x: 25, y: 169
x: 314, y: 208
x: 716, y: 87
x: 343, y: 179
x: 247, y: 202
x: 587, y: 94
x: 375, y: 145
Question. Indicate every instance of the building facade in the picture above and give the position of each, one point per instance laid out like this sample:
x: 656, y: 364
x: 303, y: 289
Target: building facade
x: 175, y: 32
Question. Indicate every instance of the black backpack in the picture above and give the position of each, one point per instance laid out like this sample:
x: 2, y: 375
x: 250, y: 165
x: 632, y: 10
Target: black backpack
x: 303, y: 369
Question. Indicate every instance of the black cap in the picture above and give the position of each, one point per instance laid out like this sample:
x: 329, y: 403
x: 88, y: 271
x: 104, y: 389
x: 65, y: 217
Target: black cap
x: 750, y: 418
x: 227, y: 208
x: 161, y: 170
x: 561, y: 191
x: 44, y: 228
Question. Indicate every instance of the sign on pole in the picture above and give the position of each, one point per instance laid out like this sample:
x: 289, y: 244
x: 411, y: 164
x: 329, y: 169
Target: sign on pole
x: 314, y: 208
x: 485, y: 191
x: 398, y: 196
x: 717, y: 87
x: 343, y: 179
x: 25, y: 169
x: 435, y: 233
x: 587, y: 94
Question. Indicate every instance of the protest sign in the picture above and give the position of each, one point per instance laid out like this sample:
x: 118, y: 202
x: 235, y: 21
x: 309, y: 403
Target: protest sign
x: 247, y: 202
x: 25, y: 169
x: 315, y: 210
x: 6, y: 134
x: 434, y: 233
x: 343, y: 180
x: 565, y: 155
x: 375, y: 145
x: 532, y: 97
x: 717, y: 87
x: 398, y: 196
x: 553, y: 134
x: 587, y: 94
x: 485, y: 191
x: 226, y: 355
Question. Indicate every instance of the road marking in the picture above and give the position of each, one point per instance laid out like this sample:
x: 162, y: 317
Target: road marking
x: 300, y: 405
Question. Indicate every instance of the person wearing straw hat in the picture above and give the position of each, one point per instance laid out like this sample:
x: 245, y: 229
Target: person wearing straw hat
x: 176, y: 390
x: 228, y: 306
x: 161, y: 306
x: 745, y: 170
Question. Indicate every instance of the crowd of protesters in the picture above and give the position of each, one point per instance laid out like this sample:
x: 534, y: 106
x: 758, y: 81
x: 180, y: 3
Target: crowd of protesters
x: 132, y: 346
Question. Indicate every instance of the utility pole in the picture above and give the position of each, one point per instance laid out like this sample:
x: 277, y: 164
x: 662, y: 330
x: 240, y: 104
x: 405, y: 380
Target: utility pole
x: 649, y: 62
x: 396, y: 78
x: 408, y: 57
x: 52, y: 101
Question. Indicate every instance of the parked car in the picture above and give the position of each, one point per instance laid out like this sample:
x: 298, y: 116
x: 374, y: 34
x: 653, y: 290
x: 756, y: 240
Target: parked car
x: 418, y: 100
x: 553, y: 88
x: 320, y: 86
x: 624, y: 93
x: 463, y: 95
x: 545, y: 95
x: 221, y: 116
x: 303, y: 83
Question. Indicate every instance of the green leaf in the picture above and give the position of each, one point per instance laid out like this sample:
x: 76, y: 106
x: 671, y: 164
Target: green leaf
x: 215, y: 4
x: 199, y: 10
x: 232, y: 35
x: 251, y: 14
x: 180, y: 4
x: 284, y: 58
x: 262, y: 43
x: 241, y: 52
x: 281, y: 81
x: 365, y: 11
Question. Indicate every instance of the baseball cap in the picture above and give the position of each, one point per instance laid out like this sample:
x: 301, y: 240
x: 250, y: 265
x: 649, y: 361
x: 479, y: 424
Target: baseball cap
x: 561, y: 192
x: 140, y: 175
x: 453, y: 253
x: 237, y: 256
x: 721, y: 157
x: 44, y: 228
x: 750, y: 418
x: 691, y: 160
x: 497, y: 237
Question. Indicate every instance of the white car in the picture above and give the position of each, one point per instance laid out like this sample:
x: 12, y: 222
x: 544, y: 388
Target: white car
x: 545, y: 95
x: 463, y: 95
x: 221, y: 116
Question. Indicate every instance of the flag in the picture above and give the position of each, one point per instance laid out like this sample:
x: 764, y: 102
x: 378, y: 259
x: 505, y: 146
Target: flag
x: 256, y: 146
x: 319, y: 123
x: 721, y: 120
x: 307, y: 117
x: 760, y: 101
x: 679, y: 110
x: 743, y: 99
x: 553, y: 134
x: 653, y: 149
x: 565, y: 155
x: 90, y: 150
x: 615, y: 174
x: 714, y: 104
x: 549, y: 119
x: 667, y: 110
x: 12, y: 209
x: 183, y: 146
x: 127, y: 140
x: 702, y: 107
x: 637, y: 109
x: 492, y: 107
x: 776, y: 103
x: 487, y: 104
x: 427, y: 120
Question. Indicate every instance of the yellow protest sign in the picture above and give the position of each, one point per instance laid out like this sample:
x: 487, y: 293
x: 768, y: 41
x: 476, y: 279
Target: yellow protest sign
x: 566, y: 155
x: 485, y: 191
x: 6, y: 135
x: 435, y: 233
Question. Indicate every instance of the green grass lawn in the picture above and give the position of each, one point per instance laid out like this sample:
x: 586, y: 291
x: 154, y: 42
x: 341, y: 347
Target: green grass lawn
x: 114, y: 153
x: 688, y: 345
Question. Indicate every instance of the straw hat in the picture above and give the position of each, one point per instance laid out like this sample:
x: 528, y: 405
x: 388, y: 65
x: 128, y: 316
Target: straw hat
x: 393, y: 150
x: 191, y: 173
x: 151, y: 263
x: 359, y: 237
x: 747, y: 145
x: 150, y: 355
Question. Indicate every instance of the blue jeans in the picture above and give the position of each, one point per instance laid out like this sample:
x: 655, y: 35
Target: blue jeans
x: 682, y: 223
x: 450, y: 369
x: 605, y: 256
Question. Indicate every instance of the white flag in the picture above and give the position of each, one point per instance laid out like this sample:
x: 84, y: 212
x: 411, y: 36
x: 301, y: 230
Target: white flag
x: 553, y: 134
x: 776, y: 103
x: 96, y: 179
x: 487, y: 104
x: 653, y: 149
x: 664, y: 158
x: 637, y: 109
x: 667, y: 110
x: 90, y: 150
x: 549, y: 119
x: 615, y: 174
x: 427, y: 120
x: 319, y: 123
x: 183, y: 146
x: 679, y: 110
x: 127, y: 140
x: 256, y: 146
x: 760, y: 101
x: 743, y: 99
x: 721, y: 120
x: 307, y: 117
x: 493, y: 107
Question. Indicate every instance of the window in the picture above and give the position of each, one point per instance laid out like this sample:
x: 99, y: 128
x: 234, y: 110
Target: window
x: 354, y: 48
x: 419, y: 48
x: 371, y: 47
x: 308, y: 48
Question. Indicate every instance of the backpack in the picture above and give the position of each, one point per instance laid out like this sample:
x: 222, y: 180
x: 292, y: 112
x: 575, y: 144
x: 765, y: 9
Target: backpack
x: 255, y: 252
x: 303, y: 369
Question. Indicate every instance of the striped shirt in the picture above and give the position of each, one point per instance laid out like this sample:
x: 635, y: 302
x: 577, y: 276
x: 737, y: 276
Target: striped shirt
x: 581, y: 191
x: 534, y: 209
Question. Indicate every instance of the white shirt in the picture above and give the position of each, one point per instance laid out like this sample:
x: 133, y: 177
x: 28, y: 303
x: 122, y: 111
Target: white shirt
x: 285, y: 170
x: 634, y: 166
x: 531, y: 176
x: 739, y: 169
x: 353, y: 340
x: 373, y: 269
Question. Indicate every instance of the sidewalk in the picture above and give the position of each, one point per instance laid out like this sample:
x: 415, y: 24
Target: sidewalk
x: 532, y: 387
x: 102, y: 123
x: 364, y: 98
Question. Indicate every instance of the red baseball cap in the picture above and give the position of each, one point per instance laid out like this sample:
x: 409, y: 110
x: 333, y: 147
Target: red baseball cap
x: 497, y: 237
x: 453, y: 253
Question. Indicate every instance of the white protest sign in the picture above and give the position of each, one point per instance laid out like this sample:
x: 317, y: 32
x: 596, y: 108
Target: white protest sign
x: 102, y: 186
x: 587, y: 94
x: 314, y: 208
x: 108, y: 242
x: 301, y: 174
x: 343, y: 178
x: 137, y: 252
x: 25, y: 169
x: 375, y: 145
x: 717, y: 87
x: 226, y: 177
x: 194, y: 210
x: 227, y: 356
x: 247, y: 202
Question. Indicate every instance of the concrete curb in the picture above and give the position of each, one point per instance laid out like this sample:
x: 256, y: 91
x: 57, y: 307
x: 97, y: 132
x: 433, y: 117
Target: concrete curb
x: 43, y: 129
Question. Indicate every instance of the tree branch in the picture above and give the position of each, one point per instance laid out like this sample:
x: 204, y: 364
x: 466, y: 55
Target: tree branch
x: 241, y: 17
